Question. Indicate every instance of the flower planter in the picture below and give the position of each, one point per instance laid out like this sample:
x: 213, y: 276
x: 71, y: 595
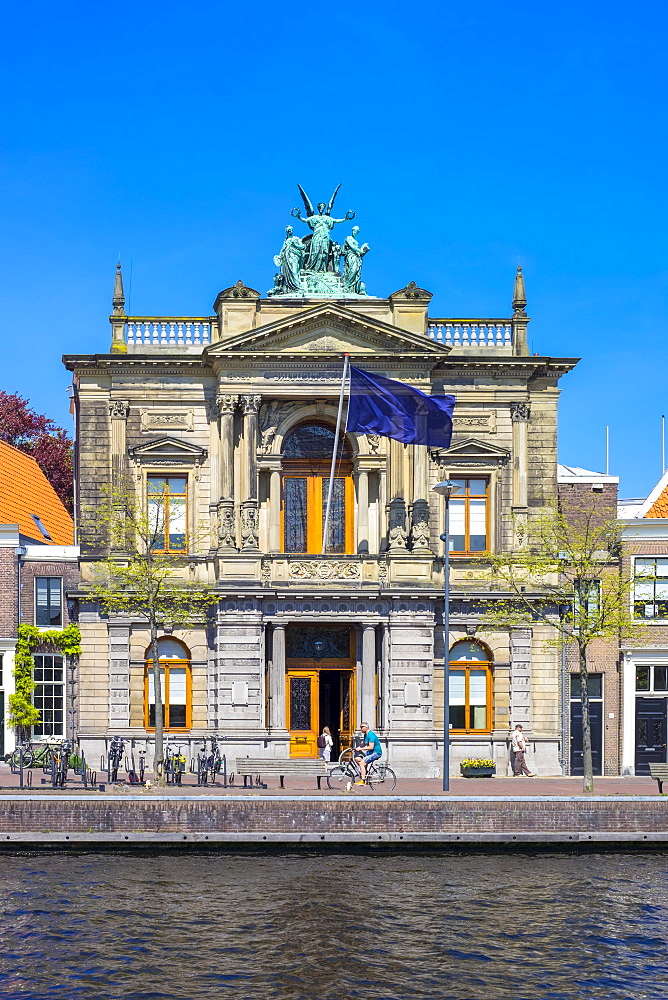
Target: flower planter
x: 477, y: 772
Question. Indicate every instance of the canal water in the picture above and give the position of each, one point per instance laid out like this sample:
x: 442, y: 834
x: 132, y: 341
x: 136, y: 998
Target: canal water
x: 304, y: 926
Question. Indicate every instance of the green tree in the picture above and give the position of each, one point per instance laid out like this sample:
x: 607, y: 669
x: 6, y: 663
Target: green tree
x: 565, y: 572
x: 139, y: 579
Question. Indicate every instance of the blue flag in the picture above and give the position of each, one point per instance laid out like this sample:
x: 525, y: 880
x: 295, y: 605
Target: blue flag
x: 380, y: 405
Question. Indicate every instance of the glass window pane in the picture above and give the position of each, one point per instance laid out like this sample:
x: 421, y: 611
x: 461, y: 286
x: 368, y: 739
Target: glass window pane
x: 457, y: 717
x: 170, y: 649
x: 459, y: 487
x: 177, y: 686
x: 661, y: 567
x: 156, y: 521
x: 478, y: 687
x: 337, y: 519
x: 294, y: 515
x: 477, y: 487
x: 177, y: 484
x: 642, y: 678
x: 478, y: 525
x: 177, y: 717
x: 478, y: 717
x: 643, y: 591
x: 177, y: 524
x: 661, y: 590
x: 314, y: 441
x: 457, y: 687
x: 457, y: 537
x: 156, y: 485
x: 300, y: 703
x: 661, y: 678
x: 468, y: 650
x: 594, y: 686
x: 151, y: 686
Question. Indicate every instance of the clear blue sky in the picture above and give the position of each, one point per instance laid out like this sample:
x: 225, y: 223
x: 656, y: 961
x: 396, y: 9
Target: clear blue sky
x: 468, y: 137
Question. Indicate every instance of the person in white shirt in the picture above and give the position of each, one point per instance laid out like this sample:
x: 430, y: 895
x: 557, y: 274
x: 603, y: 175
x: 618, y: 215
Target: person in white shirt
x: 325, y: 744
x: 519, y: 749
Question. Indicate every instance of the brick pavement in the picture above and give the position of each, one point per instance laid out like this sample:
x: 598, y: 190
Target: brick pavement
x: 511, y: 787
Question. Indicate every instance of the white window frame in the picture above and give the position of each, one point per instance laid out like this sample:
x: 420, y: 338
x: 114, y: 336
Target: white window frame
x: 62, y: 599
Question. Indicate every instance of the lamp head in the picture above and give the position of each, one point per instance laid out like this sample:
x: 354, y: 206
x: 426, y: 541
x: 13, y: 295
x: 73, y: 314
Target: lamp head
x: 446, y: 488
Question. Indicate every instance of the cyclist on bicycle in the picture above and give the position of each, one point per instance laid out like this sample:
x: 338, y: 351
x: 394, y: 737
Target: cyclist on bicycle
x: 370, y: 750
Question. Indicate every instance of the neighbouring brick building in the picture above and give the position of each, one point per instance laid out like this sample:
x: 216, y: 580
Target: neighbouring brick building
x: 38, y: 565
x: 582, y: 492
x: 645, y: 664
x: 227, y: 419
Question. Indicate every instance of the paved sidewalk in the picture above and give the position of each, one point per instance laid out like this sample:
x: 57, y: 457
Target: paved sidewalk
x: 483, y: 787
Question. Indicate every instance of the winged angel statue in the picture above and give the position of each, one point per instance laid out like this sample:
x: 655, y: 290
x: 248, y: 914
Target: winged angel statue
x: 309, y: 265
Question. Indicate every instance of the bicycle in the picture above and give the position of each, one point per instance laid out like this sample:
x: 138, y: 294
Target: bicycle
x: 33, y: 756
x: 116, y: 754
x: 174, y: 764
x: 60, y: 764
x: 378, y: 775
x: 208, y: 764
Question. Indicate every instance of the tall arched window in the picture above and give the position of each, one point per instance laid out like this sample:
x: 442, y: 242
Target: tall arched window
x: 307, y: 454
x: 470, y: 687
x: 176, y: 685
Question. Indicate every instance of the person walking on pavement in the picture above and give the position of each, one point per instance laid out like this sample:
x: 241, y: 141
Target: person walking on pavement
x: 325, y: 744
x: 519, y: 749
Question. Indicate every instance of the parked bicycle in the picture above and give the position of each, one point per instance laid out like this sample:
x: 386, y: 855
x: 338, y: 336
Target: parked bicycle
x: 34, y: 755
x: 379, y: 776
x: 174, y: 764
x: 209, y: 763
x: 60, y: 764
x: 115, y: 757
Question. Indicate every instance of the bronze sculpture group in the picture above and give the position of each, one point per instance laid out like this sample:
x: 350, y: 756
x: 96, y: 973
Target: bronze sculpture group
x: 310, y: 265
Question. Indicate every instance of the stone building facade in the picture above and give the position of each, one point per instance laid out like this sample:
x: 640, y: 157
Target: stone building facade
x: 230, y: 419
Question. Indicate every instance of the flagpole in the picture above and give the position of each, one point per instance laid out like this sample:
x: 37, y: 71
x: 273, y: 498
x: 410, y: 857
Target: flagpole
x: 330, y: 489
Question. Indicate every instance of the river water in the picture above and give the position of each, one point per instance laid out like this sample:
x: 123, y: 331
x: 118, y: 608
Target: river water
x: 173, y: 925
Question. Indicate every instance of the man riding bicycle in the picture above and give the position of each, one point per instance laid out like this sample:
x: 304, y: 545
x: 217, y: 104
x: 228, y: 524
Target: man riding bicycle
x: 370, y: 750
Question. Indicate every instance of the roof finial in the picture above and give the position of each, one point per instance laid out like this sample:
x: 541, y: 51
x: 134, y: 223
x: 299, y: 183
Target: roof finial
x: 519, y: 296
x: 118, y: 301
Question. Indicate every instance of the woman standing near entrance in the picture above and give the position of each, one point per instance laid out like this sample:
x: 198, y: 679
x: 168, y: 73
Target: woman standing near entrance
x: 325, y: 744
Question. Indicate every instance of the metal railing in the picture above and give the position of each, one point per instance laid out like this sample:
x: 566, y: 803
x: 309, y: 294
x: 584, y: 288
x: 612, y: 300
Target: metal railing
x: 489, y: 334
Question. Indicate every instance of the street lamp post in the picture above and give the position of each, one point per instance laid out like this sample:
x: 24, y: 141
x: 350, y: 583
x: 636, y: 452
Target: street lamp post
x: 446, y: 489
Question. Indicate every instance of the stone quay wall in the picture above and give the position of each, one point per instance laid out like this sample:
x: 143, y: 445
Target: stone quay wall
x: 60, y: 818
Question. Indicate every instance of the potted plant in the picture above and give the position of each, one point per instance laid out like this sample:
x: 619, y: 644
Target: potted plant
x: 478, y: 767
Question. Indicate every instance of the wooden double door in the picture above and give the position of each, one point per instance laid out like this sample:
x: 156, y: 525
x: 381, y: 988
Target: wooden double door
x: 319, y: 696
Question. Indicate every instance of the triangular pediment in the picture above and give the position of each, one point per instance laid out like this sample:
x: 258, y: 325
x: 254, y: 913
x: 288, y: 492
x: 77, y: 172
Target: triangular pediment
x: 329, y: 329
x: 473, y: 450
x: 169, y: 447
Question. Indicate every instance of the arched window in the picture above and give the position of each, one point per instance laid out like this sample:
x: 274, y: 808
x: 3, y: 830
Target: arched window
x: 307, y: 454
x: 176, y: 685
x: 470, y: 687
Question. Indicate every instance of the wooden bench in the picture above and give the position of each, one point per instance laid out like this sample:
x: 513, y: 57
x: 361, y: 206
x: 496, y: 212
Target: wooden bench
x: 259, y: 767
x: 660, y: 774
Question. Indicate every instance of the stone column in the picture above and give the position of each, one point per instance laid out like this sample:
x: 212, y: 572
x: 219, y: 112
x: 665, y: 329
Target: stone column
x: 226, y: 404
x: 277, y: 706
x: 520, y: 413
x: 362, y: 511
x: 118, y: 412
x: 249, y: 508
x: 274, y: 504
x: 368, y: 678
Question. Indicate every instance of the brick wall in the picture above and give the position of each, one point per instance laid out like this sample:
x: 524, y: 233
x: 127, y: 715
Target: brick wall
x: 69, y: 572
x: 240, y: 818
x: 578, y: 500
x: 8, y: 593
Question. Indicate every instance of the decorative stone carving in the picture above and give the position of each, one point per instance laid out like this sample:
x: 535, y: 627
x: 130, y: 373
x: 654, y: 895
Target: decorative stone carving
x: 251, y: 403
x: 420, y: 534
x: 239, y: 291
x: 119, y: 409
x: 374, y: 443
x: 226, y: 403
x: 520, y: 411
x: 226, y: 526
x: 265, y: 572
x: 324, y: 570
x: 271, y: 416
x: 397, y: 524
x: 382, y: 573
x: 157, y: 420
x: 411, y: 291
x: 249, y: 524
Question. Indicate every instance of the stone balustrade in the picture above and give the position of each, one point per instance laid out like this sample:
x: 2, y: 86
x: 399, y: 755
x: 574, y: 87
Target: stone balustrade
x: 168, y: 331
x: 472, y: 334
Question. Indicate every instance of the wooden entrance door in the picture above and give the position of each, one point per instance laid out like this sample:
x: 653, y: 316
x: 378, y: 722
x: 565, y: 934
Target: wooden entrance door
x: 347, y: 702
x: 302, y: 712
x: 651, y: 730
